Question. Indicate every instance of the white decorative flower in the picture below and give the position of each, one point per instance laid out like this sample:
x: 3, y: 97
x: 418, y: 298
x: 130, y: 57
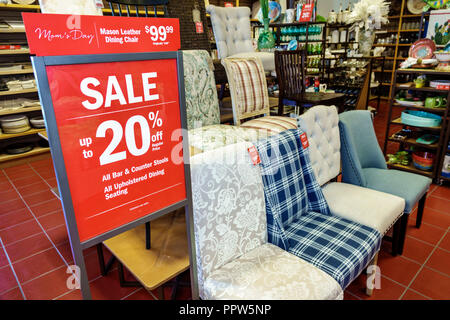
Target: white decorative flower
x: 226, y: 202
x: 226, y: 248
x: 372, y: 13
x: 247, y: 218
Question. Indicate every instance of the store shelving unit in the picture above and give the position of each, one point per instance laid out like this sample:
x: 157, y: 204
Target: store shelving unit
x: 360, y: 92
x: 441, y: 130
x: 445, y: 149
x: 277, y: 29
x: 387, y: 78
x: 18, y: 56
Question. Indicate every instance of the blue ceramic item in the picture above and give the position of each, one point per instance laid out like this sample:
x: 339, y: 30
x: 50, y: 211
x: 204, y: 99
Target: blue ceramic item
x: 420, y: 118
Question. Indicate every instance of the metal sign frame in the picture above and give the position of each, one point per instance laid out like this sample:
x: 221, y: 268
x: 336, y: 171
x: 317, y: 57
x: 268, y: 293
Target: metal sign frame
x: 39, y: 65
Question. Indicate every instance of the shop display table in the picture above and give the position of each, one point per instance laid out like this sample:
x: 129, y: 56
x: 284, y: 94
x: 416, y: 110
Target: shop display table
x: 167, y: 258
x: 318, y: 98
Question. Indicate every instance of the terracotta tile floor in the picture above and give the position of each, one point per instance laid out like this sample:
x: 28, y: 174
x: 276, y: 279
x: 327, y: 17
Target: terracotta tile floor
x: 35, y: 253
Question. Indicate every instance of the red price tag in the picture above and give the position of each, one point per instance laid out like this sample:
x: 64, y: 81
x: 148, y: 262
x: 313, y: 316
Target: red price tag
x: 99, y: 4
x: 304, y: 140
x: 199, y: 27
x: 118, y: 125
x: 254, y: 155
x: 307, y: 11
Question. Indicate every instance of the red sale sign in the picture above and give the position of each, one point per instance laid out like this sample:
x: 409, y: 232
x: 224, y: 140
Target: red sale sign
x: 59, y: 34
x: 306, y: 14
x: 116, y: 122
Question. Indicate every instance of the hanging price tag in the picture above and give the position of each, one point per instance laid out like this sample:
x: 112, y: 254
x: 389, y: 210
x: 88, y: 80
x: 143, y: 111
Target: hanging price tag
x: 304, y: 140
x: 254, y: 155
x: 199, y: 27
x: 99, y: 4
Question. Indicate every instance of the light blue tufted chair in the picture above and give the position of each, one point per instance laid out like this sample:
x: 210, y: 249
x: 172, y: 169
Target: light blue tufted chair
x: 363, y: 164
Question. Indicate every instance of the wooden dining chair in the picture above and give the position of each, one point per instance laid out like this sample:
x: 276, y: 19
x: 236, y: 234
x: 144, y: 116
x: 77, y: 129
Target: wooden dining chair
x: 146, y: 4
x: 290, y: 67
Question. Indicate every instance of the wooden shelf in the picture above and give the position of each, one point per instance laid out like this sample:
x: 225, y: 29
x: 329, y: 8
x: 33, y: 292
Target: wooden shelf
x: 407, y: 16
x: 21, y: 110
x: 22, y: 71
x: 19, y: 51
x: 15, y: 92
x: 394, y: 58
x: 395, y: 31
x: 5, y: 136
x: 427, y: 89
x: 376, y: 97
x: 20, y: 7
x: 433, y: 110
x: 411, y: 168
x: 424, y: 71
x: 35, y: 151
x: 399, y: 121
x: 391, y: 44
x: 413, y: 142
x: 21, y: 30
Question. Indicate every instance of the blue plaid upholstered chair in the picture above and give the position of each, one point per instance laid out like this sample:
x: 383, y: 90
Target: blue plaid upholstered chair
x: 234, y: 259
x: 363, y: 164
x: 298, y: 217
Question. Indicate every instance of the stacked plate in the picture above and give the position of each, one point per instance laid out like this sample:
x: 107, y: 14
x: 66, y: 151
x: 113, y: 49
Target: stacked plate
x: 37, y: 122
x: 18, y: 148
x: 15, y: 124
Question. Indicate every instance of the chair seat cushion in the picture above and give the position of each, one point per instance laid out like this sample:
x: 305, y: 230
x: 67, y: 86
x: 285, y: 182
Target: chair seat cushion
x: 371, y: 208
x: 338, y: 246
x: 408, y: 186
x: 270, y: 273
x: 216, y: 136
x: 267, y: 58
x: 273, y: 124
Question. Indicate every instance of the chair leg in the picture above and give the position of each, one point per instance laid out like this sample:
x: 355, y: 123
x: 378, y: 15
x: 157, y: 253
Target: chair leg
x: 396, y: 236
x: 280, y: 107
x: 420, y: 209
x: 402, y: 235
x: 372, y: 276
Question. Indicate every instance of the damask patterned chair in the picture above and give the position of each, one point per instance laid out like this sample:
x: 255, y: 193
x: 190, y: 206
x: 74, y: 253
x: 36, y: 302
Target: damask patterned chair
x: 363, y: 164
x: 375, y: 209
x: 298, y: 218
x: 202, y: 106
x: 234, y: 260
x: 250, y: 97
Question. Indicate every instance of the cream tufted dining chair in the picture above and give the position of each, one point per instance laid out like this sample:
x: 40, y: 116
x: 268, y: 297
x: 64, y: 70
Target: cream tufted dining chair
x: 372, y: 208
x: 231, y: 27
